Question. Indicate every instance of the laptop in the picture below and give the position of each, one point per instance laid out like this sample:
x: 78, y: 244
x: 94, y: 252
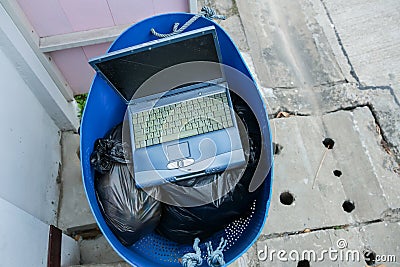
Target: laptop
x: 181, y: 132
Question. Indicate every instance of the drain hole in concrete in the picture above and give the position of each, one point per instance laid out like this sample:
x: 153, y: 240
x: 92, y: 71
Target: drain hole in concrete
x: 370, y: 257
x: 337, y: 173
x: 277, y: 148
x: 286, y: 198
x: 303, y: 263
x: 328, y: 143
x: 348, y: 206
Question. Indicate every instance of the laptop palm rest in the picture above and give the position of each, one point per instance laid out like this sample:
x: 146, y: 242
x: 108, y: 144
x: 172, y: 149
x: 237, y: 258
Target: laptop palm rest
x: 179, y: 156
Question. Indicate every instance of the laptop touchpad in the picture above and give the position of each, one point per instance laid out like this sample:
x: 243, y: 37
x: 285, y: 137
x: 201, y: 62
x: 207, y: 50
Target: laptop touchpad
x: 178, y: 151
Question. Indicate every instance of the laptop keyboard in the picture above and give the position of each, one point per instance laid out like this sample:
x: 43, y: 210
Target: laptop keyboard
x: 181, y: 120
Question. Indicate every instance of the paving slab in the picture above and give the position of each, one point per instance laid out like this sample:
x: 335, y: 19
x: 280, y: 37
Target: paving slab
x: 382, y: 161
x: 295, y: 169
x: 366, y: 172
x: 98, y: 251
x: 287, y: 45
x: 369, y: 32
x: 356, y: 140
x: 382, y: 239
x: 329, y: 30
x: 387, y: 113
x: 341, y: 96
x: 248, y: 259
x: 74, y: 210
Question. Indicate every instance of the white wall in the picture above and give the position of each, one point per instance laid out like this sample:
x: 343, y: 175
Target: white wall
x: 24, y: 240
x: 32, y: 112
x: 17, y: 232
x: 30, y: 148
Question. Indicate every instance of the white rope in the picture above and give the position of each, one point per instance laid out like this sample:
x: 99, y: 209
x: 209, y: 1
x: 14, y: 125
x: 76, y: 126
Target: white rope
x: 216, y: 257
x: 193, y: 259
x: 206, y: 11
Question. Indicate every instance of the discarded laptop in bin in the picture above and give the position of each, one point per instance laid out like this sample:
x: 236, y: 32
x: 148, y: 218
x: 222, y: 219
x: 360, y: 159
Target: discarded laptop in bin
x: 105, y: 108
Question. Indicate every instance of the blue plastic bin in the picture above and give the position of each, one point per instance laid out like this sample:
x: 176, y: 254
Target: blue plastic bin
x: 105, y: 109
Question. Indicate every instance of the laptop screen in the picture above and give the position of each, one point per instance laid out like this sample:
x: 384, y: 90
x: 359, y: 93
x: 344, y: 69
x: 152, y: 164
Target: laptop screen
x: 128, y: 71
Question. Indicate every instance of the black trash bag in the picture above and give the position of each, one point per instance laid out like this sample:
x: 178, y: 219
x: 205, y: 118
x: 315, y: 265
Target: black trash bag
x: 184, y: 224
x: 108, y: 151
x: 129, y: 212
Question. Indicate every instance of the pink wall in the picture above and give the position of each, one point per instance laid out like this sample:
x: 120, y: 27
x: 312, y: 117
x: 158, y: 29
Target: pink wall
x: 53, y: 17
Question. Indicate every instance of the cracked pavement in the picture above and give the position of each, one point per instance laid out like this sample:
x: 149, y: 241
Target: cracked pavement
x: 327, y: 69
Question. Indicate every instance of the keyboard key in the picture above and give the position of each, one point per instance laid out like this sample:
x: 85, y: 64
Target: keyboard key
x: 140, y: 138
x: 218, y: 113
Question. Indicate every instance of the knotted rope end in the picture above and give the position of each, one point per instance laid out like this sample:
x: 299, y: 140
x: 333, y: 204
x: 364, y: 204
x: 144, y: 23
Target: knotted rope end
x: 206, y: 11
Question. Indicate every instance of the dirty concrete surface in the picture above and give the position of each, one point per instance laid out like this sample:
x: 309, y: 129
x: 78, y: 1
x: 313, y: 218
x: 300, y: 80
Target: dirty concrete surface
x: 326, y: 69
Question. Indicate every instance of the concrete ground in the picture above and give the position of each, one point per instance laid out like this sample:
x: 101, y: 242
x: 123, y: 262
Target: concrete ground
x: 328, y: 69
x: 329, y: 72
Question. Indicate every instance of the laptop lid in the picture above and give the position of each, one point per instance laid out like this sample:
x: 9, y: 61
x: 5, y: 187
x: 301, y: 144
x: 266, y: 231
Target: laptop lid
x: 127, y: 69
